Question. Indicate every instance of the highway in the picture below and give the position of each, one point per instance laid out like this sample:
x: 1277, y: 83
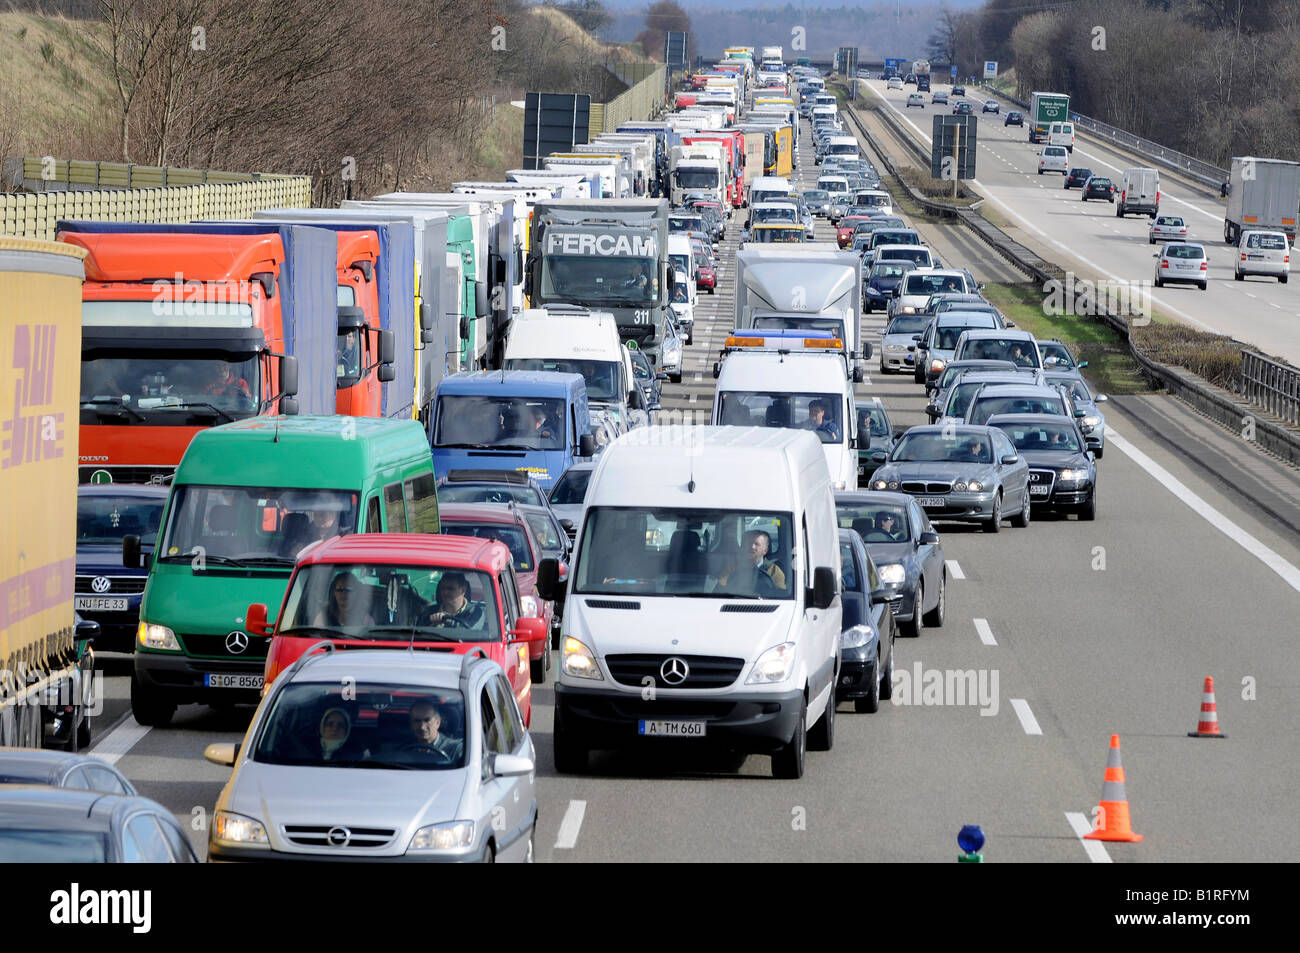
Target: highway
x: 1077, y: 630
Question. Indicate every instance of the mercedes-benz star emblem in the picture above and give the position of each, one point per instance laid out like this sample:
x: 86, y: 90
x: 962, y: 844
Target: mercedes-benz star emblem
x: 101, y: 584
x: 236, y: 642
x: 674, y: 671
x: 339, y: 836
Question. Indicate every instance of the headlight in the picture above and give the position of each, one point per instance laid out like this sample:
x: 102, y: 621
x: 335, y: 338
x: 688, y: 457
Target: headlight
x: 908, y: 309
x: 895, y: 347
x: 448, y: 836
x: 855, y: 637
x: 156, y: 637
x: 1092, y: 420
x: 937, y: 365
x: 885, y: 485
x: 1072, y: 476
x: 892, y: 574
x: 578, y: 661
x: 975, y: 486
x: 774, y: 665
x: 236, y: 829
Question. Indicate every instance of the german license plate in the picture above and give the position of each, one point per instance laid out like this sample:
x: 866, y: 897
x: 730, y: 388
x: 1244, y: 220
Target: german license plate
x: 931, y: 500
x: 224, y: 680
x: 671, y: 729
x: 1043, y: 490
x: 100, y: 603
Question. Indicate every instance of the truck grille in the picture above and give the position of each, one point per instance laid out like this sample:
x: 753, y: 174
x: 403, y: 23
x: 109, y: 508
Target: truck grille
x: 640, y: 333
x: 343, y: 837
x: 214, y: 646
x: 161, y: 475
x: 704, y: 671
x: 117, y: 585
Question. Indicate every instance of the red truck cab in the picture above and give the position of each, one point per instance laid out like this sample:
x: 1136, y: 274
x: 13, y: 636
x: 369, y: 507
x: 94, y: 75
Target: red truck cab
x: 407, y: 591
x: 733, y: 143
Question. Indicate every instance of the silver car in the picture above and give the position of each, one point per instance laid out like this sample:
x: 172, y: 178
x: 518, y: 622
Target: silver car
x: 1167, y: 228
x: 670, y: 355
x: 60, y: 769
x: 364, y: 755
x: 1183, y: 263
x: 1093, y: 421
x: 897, y: 338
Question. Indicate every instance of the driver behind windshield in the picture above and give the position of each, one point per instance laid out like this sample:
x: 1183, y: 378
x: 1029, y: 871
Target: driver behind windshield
x: 453, y: 606
x: 424, y: 738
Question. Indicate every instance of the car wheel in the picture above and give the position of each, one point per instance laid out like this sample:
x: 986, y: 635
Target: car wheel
x: 1238, y: 276
x: 1160, y: 282
x: 934, y: 618
x: 1099, y: 451
x: 994, y: 525
x: 886, y: 681
x: 571, y: 754
x: 1022, y: 520
x: 882, y: 369
x: 1083, y: 198
x: 1205, y: 286
x: 1151, y: 241
x: 1281, y: 279
x: 676, y: 378
x: 913, y: 629
x: 84, y: 733
x: 822, y: 735
x: 1040, y: 171
x: 787, y: 761
x: 1119, y: 211
x: 149, y: 709
x: 870, y: 704
x: 918, y: 375
x: 531, y: 856
x: 1066, y: 185
x: 490, y: 855
x: 1088, y: 512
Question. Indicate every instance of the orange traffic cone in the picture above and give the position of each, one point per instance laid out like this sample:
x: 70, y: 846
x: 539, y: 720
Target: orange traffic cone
x: 1208, y: 726
x: 1112, y: 813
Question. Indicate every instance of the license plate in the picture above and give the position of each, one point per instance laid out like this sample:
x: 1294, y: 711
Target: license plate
x: 671, y: 729
x: 1040, y: 490
x: 931, y: 501
x: 100, y: 603
x: 223, y: 680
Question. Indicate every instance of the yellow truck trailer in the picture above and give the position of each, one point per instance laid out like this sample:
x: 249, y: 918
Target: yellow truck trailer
x: 45, y: 664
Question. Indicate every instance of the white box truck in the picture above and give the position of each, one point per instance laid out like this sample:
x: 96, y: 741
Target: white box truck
x: 1263, y: 194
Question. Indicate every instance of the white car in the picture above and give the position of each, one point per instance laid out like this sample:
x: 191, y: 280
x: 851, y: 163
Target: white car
x: 670, y: 355
x: 916, y: 99
x: 1054, y: 159
x: 1167, y: 228
x: 894, y: 83
x: 1182, y: 263
x: 1263, y: 253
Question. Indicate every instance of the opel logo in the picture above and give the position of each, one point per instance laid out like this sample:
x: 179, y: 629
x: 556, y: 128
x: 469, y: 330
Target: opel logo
x: 101, y: 584
x: 236, y: 642
x: 338, y: 836
x: 674, y: 671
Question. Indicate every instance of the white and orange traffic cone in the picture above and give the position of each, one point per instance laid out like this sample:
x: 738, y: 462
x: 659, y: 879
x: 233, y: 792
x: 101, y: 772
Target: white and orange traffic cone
x: 1112, y: 812
x: 1208, y: 726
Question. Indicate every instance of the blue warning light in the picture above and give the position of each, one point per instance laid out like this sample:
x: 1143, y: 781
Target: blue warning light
x: 971, y: 838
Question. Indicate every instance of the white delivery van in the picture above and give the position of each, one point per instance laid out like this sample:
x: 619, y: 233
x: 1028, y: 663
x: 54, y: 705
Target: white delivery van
x: 1061, y: 134
x: 703, y: 601
x: 834, y: 184
x: 1263, y: 253
x: 681, y: 256
x: 769, y: 188
x: 1139, y: 191
x: 846, y: 146
x: 777, y: 384
x: 683, y: 300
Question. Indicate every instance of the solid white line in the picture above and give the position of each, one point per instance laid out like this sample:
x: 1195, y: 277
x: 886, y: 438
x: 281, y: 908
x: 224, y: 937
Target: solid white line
x: 985, y: 633
x: 1027, y: 719
x: 1095, y: 849
x: 571, y: 825
x: 953, y: 569
x: 119, y: 741
x: 1289, y: 573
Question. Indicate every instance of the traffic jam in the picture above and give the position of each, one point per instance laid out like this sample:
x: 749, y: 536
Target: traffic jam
x: 388, y: 576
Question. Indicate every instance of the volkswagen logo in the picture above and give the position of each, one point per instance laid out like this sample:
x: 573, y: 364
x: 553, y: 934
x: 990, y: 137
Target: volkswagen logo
x: 674, y: 671
x: 338, y: 836
x: 236, y: 642
x: 101, y: 584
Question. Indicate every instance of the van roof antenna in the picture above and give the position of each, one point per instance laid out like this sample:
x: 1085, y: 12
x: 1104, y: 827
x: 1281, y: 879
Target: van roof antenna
x: 690, y: 487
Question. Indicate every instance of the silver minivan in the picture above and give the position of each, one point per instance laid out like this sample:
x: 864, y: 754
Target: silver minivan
x: 1263, y: 253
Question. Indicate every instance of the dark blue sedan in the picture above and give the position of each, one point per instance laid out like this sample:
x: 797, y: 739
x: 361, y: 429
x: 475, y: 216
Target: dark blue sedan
x: 869, y: 630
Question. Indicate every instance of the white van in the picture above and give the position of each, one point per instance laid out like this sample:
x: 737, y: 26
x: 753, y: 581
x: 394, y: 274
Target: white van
x: 681, y: 256
x: 1139, y: 191
x: 703, y: 600
x: 1061, y: 134
x: 834, y: 184
x: 768, y: 188
x: 781, y: 386
x: 1262, y: 252
x: 846, y: 146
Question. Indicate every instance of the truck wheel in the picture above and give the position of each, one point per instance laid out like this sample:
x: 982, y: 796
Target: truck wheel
x: 822, y: 736
x: 787, y: 761
x: 149, y: 708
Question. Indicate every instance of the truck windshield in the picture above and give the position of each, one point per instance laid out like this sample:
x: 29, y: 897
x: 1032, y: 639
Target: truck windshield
x: 134, y: 386
x: 499, y: 423
x: 796, y: 322
x: 686, y: 552
x: 106, y: 519
x: 211, y: 526
x: 601, y: 376
x: 625, y: 281
x: 820, y: 413
x: 697, y: 178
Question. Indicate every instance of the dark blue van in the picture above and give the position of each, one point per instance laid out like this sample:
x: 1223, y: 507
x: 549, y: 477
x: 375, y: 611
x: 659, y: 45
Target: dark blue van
x: 106, y: 592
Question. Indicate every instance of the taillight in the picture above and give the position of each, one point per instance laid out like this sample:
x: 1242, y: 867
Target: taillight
x: 1205, y: 266
x: 1243, y: 256
x: 1164, y: 262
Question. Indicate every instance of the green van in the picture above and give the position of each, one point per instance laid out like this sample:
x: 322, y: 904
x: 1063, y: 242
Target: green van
x: 245, y: 500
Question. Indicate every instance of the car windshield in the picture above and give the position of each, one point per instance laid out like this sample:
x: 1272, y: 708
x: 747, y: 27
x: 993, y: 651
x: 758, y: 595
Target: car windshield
x: 872, y: 421
x: 253, y: 525
x: 942, y: 447
x: 1184, y: 251
x: 514, y: 537
x: 500, y: 423
x: 488, y: 493
x: 697, y: 178
x: 169, y: 387
x: 1080, y: 173
x: 1059, y: 437
x: 1019, y: 352
x: 986, y: 407
x: 106, y: 519
x: 364, y: 725
x: 640, y: 366
x: 926, y: 283
x: 686, y: 552
x: 816, y: 196
x: 592, y: 279
x: 544, y: 529
x: 889, y: 269
x: 571, y: 488
x: 23, y: 845
x: 917, y: 255
x: 681, y: 295
x: 945, y: 338
x: 883, y: 236
x: 960, y: 398
x: 601, y: 377
x: 799, y: 322
x: 819, y: 413
x: 1270, y: 242
x: 1168, y: 220
x: 777, y: 213
x: 1097, y: 181
x: 908, y: 324
x: 874, y: 522
x: 1078, y: 389
x: 1058, y: 352
x: 770, y: 235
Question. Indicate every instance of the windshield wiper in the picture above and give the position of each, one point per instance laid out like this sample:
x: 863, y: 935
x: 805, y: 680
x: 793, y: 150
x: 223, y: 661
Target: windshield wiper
x: 362, y: 763
x: 423, y: 634
x: 203, y: 556
x: 268, y: 561
x: 116, y: 402
x: 189, y: 404
x: 462, y: 446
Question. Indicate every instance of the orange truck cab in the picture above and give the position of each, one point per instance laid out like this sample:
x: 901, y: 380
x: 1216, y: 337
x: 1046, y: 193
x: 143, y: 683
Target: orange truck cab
x: 360, y: 338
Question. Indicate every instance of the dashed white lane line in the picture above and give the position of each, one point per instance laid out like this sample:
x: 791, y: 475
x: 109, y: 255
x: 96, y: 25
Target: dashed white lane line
x: 985, y: 632
x: 571, y: 825
x: 954, y: 570
x: 119, y: 741
x: 1095, y: 849
x: 1026, y: 716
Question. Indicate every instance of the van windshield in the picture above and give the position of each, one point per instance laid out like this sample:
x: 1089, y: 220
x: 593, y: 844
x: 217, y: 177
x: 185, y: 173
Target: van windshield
x: 601, y: 376
x: 252, y: 525
x: 499, y: 423
x: 686, y: 552
x: 820, y: 413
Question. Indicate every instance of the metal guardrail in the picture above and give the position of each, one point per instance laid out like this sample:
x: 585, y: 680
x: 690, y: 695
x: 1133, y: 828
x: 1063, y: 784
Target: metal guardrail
x: 1271, y: 385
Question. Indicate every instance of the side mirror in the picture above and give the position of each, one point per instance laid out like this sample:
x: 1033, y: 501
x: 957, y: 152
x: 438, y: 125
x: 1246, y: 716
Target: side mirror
x: 482, y: 307
x: 289, y: 376
x: 1083, y: 364
x: 510, y: 765
x: 289, y: 406
x: 568, y: 526
x: 929, y: 538
x: 426, y: 323
x: 1099, y: 398
x: 663, y: 375
x: 222, y: 753
x: 916, y: 337
x: 1080, y: 412
x: 1011, y: 458
x: 386, y: 373
x: 255, y: 620
x: 857, y: 369
x: 464, y: 327
x: 132, y: 558
x: 587, y: 445
x: 822, y: 593
x: 387, y: 347
x: 87, y: 631
x: 530, y: 629
x: 1009, y: 324
x: 881, y: 595
x: 548, y: 576
x: 879, y: 456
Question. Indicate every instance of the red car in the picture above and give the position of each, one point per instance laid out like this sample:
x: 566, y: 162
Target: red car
x: 706, y: 279
x: 507, y: 525
x: 848, y: 225
x: 406, y: 591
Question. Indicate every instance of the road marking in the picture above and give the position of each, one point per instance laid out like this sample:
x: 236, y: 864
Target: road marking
x: 1289, y: 573
x: 571, y: 825
x: 1095, y: 849
x: 986, y: 634
x: 1249, y: 295
x: 119, y: 741
x: 1027, y: 719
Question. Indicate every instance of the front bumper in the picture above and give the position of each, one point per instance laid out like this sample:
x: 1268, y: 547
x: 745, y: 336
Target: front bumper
x: 218, y: 854
x: 179, y: 677
x: 1064, y: 497
x: 966, y: 507
x: 857, y: 672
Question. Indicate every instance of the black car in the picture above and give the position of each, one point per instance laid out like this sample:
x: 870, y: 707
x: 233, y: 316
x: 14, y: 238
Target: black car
x: 875, y: 435
x: 961, y: 109
x: 1098, y: 187
x: 959, y: 91
x: 881, y: 280
x: 1077, y: 177
x: 1014, y: 118
x: 869, y: 630
x: 1062, y: 471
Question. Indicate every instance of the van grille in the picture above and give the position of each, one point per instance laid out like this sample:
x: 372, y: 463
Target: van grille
x: 705, y: 671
